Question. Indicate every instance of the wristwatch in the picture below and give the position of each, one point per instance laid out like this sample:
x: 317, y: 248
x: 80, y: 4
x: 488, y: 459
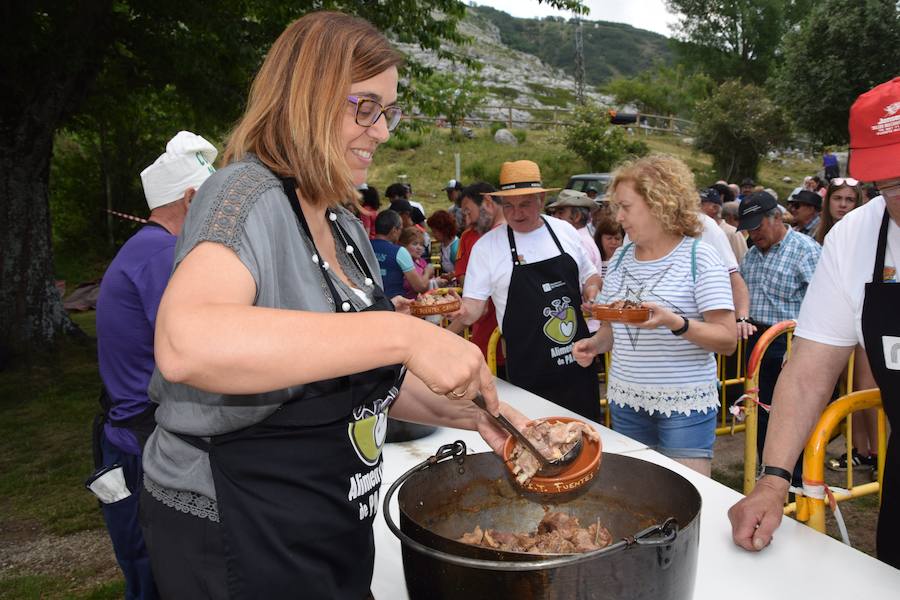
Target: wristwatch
x: 683, y: 328
x: 743, y: 319
x: 777, y: 472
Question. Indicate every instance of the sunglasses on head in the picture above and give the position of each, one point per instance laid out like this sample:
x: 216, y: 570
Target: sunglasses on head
x: 845, y: 181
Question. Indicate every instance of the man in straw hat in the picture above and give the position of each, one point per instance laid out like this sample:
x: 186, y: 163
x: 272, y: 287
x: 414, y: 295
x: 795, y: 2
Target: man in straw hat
x: 852, y: 300
x: 130, y: 293
x: 536, y: 272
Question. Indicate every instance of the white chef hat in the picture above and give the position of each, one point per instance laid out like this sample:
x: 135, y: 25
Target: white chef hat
x: 187, y: 162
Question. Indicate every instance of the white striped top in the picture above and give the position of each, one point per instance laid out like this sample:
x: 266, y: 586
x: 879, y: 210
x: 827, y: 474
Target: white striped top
x: 651, y: 368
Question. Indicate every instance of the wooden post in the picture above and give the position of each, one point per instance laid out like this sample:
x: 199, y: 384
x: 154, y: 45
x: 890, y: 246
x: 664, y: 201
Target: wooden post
x: 509, y: 117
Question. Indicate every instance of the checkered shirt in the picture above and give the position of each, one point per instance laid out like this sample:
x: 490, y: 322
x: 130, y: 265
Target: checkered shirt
x: 778, y: 279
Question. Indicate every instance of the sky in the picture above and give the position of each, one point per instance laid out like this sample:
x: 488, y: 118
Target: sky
x: 644, y: 14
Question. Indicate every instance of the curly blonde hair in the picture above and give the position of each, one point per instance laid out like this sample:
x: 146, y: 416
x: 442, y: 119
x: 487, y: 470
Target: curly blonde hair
x: 667, y: 186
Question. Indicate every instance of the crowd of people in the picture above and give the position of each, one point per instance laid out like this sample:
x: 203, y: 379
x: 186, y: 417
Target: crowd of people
x: 272, y: 341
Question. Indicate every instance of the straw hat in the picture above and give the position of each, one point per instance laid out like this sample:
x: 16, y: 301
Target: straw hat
x: 519, y: 178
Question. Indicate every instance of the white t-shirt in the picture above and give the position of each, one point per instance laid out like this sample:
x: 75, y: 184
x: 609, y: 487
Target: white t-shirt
x: 713, y: 235
x: 490, y: 264
x: 590, y: 247
x: 831, y: 312
x: 651, y: 368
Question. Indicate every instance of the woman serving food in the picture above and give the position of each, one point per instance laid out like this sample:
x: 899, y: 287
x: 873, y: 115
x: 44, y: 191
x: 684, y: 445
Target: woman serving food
x: 278, y: 355
x: 662, y: 380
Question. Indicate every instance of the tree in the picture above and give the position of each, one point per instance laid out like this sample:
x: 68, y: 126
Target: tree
x: 663, y: 90
x: 55, y: 50
x: 449, y: 95
x: 734, y: 38
x: 830, y: 61
x: 600, y: 144
x: 737, y: 125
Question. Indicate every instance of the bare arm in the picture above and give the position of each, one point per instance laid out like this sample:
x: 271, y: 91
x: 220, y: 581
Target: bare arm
x: 741, y: 296
x: 797, y: 404
x: 601, y: 342
x: 716, y: 332
x: 470, y: 310
x: 419, y: 281
x: 210, y: 336
x: 419, y: 404
x: 591, y: 288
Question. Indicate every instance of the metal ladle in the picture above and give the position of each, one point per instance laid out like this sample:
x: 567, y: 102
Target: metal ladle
x: 548, y: 468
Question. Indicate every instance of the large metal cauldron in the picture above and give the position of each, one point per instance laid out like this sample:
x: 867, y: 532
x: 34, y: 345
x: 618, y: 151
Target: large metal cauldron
x: 652, y: 512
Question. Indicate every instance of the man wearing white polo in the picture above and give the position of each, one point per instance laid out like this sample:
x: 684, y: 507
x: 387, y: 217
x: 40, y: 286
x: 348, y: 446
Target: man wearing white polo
x: 537, y: 273
x: 852, y: 298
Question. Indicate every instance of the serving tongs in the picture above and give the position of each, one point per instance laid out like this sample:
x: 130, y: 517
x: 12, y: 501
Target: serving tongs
x: 548, y: 468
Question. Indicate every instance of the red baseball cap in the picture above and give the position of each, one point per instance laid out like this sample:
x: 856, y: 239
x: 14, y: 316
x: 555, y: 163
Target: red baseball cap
x: 875, y: 133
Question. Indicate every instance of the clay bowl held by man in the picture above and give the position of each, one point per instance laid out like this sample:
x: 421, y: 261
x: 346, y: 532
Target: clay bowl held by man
x: 579, y: 473
x: 435, y: 302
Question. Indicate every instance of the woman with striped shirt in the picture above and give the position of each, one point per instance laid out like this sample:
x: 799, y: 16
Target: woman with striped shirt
x: 662, y: 381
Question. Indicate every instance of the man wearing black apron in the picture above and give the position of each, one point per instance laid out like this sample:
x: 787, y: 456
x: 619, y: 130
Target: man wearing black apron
x: 540, y: 293
x: 843, y: 307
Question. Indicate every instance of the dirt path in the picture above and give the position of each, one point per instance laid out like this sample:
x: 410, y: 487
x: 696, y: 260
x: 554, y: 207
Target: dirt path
x: 85, y: 559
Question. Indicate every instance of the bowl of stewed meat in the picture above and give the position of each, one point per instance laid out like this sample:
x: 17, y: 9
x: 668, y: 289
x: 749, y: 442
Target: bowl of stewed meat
x: 553, y: 437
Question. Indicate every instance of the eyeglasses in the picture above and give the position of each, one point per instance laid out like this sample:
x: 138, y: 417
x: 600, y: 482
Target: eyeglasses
x: 845, y: 181
x: 368, y: 112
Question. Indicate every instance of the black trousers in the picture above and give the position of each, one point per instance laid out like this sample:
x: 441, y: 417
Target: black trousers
x: 185, y: 551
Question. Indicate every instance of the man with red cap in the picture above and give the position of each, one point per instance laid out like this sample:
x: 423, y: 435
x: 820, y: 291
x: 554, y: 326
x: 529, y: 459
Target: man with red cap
x: 852, y: 298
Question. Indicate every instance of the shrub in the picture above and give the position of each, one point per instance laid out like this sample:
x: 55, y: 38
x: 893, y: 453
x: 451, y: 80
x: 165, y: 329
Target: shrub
x: 600, y: 144
x: 737, y: 126
x: 404, y: 140
x: 521, y: 135
x: 483, y: 170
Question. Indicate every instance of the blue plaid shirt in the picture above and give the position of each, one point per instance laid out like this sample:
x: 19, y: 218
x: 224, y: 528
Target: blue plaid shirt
x: 779, y: 277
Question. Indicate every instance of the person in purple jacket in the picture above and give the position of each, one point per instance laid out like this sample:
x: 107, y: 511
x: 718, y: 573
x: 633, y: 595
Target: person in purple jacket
x: 130, y: 293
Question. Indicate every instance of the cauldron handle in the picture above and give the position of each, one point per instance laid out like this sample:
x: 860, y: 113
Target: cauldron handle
x: 457, y: 451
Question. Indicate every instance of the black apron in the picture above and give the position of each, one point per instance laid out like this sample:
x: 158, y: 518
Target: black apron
x: 297, y: 492
x: 881, y: 334
x: 543, y: 321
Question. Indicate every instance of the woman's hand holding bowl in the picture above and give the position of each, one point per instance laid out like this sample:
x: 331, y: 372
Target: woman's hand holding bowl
x: 660, y: 316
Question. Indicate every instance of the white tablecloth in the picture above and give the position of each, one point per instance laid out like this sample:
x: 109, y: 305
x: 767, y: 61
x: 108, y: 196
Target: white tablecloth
x: 800, y: 563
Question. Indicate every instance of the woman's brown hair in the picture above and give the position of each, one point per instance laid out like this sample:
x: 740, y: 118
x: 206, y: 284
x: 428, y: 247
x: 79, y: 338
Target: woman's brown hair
x: 299, y: 98
x: 667, y: 186
x: 826, y: 221
x: 606, y: 226
x: 409, y: 235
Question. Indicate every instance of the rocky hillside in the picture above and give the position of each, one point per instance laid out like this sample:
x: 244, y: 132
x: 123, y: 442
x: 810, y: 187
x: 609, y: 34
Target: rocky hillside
x: 514, y: 72
x: 610, y: 49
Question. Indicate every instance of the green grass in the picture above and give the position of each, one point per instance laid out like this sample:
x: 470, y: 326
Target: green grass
x: 47, y: 402
x: 430, y: 165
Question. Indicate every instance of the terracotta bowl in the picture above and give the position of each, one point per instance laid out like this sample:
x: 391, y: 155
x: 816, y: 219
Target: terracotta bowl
x: 425, y: 310
x: 580, y: 473
x: 603, y: 312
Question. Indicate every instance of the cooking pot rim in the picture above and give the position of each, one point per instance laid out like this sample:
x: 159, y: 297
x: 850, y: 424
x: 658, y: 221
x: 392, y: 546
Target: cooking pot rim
x: 667, y: 531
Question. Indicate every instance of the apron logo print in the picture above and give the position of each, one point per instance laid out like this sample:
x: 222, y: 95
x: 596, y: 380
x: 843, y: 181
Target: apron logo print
x: 367, y: 435
x: 891, y: 346
x: 560, y: 326
x: 549, y: 287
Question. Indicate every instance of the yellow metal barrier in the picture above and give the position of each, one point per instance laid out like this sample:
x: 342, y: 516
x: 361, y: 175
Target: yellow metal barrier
x: 751, y: 396
x: 813, y: 509
x: 725, y: 382
x: 492, y: 351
